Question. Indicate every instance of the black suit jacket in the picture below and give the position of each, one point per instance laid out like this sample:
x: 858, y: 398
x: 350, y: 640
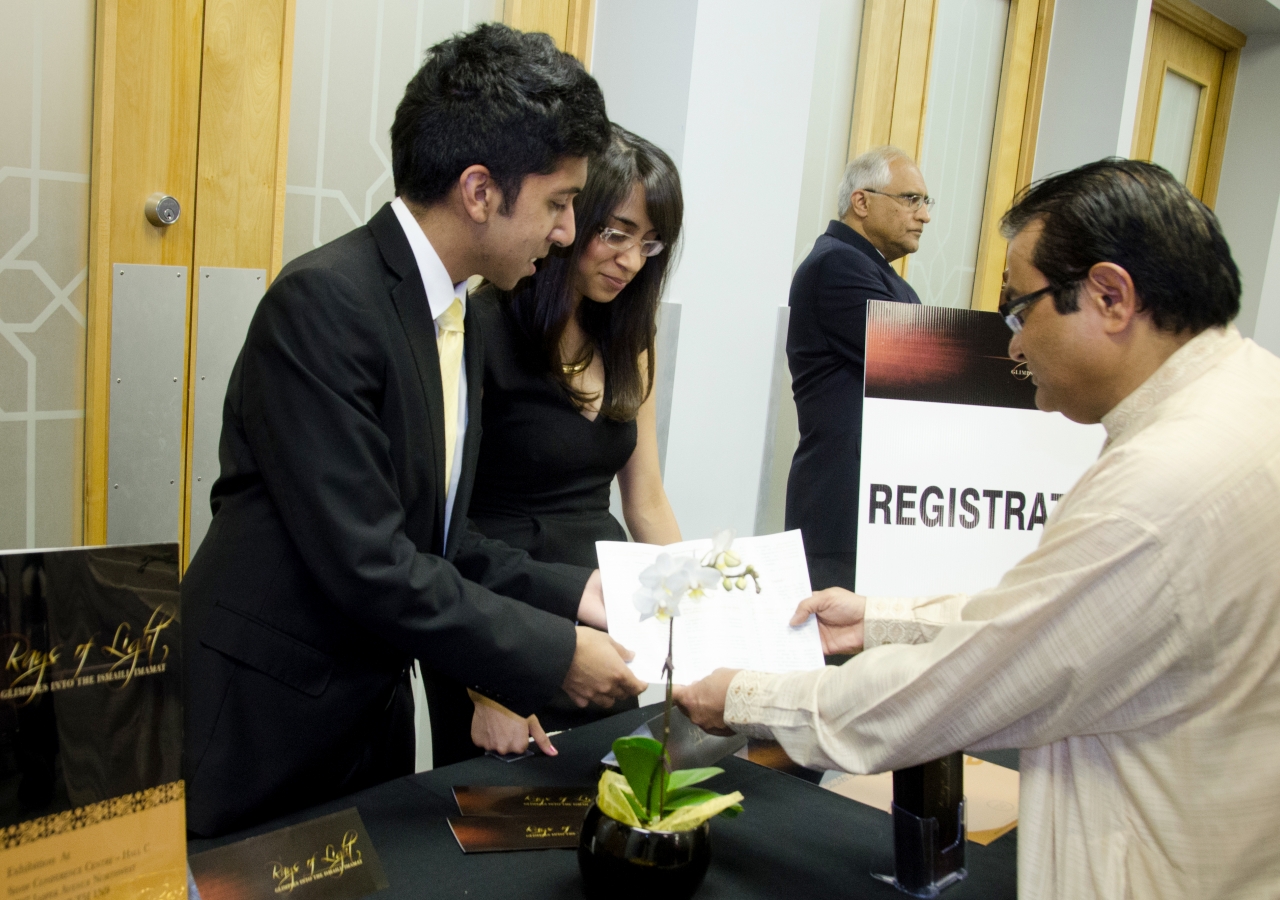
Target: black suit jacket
x: 826, y: 348
x: 322, y: 574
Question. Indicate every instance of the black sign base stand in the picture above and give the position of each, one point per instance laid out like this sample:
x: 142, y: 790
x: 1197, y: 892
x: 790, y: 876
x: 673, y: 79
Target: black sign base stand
x: 928, y: 827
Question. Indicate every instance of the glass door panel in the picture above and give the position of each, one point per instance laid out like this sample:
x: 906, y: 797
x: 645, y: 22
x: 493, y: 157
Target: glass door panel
x: 46, y: 116
x: 351, y: 62
x: 964, y: 87
x: 1180, y: 100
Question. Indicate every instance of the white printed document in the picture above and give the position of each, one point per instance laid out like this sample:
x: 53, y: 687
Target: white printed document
x: 738, y: 629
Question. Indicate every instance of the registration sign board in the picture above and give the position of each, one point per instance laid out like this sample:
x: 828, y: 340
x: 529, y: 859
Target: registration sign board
x: 960, y: 470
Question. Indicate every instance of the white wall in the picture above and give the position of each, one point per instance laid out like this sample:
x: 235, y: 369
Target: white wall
x: 1092, y: 82
x: 835, y: 69
x: 1267, y: 328
x: 642, y: 56
x: 743, y: 158
x: 1249, y: 190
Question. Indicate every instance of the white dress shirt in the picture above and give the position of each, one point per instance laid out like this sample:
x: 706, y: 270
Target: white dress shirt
x: 440, y: 296
x: 1134, y: 656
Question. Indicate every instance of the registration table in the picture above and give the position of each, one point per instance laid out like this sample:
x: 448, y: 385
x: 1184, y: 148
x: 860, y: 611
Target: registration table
x: 794, y: 839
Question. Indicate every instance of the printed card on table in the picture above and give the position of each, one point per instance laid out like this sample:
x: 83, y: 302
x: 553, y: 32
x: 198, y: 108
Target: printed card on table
x: 328, y: 858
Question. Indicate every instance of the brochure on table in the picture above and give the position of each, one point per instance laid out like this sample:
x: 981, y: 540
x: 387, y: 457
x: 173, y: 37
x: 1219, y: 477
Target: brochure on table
x: 960, y: 470
x: 739, y: 629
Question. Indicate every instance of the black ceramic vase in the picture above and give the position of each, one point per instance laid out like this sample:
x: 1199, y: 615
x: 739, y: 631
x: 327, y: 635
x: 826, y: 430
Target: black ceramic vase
x: 621, y: 862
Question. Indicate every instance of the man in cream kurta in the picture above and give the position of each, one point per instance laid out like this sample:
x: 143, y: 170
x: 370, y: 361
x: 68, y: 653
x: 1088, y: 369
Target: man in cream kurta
x: 1134, y: 657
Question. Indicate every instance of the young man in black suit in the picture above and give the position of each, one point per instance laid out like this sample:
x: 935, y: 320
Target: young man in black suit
x: 339, y: 549
x: 883, y: 206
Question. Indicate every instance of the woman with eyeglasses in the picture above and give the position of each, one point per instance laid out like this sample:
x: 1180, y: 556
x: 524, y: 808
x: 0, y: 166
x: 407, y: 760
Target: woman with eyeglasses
x: 568, y: 391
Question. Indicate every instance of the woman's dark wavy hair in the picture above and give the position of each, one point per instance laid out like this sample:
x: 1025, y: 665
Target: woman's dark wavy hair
x: 495, y: 97
x: 623, y: 330
x: 1138, y: 216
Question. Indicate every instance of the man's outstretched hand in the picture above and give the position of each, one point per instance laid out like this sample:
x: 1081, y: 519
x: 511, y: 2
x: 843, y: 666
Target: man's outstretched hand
x: 840, y: 615
x: 703, y: 701
x: 599, y: 673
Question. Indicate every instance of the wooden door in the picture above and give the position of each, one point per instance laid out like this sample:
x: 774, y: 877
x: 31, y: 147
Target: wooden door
x: 569, y: 22
x: 190, y: 100
x: 1188, y: 79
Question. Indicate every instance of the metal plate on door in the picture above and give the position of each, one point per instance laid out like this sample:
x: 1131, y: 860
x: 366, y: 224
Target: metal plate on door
x: 144, y: 459
x: 227, y: 299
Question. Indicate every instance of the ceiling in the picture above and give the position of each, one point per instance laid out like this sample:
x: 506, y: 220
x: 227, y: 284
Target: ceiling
x: 1250, y: 16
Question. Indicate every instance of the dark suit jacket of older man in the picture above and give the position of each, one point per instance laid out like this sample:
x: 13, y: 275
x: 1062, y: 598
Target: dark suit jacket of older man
x: 826, y: 348
x: 324, y: 572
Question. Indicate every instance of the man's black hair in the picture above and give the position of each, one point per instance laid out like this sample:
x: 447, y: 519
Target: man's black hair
x: 1138, y: 216
x: 496, y: 97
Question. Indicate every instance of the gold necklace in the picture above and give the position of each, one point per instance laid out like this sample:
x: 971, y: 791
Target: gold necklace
x: 577, y: 368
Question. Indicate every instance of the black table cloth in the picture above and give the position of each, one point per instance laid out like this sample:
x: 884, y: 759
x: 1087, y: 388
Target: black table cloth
x: 794, y: 840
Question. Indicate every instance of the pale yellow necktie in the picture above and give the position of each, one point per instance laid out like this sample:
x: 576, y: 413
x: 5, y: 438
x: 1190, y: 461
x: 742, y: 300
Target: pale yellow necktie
x: 449, y: 343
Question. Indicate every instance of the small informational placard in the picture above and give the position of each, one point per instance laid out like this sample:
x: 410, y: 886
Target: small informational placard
x: 92, y: 801
x: 329, y: 858
x: 739, y: 629
x: 486, y: 800
x: 960, y: 470
x: 491, y: 834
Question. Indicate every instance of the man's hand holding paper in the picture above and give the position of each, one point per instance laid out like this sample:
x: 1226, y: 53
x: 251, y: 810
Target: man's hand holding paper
x: 839, y: 614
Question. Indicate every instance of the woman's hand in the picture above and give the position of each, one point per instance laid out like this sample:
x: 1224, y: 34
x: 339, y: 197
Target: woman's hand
x: 496, y: 728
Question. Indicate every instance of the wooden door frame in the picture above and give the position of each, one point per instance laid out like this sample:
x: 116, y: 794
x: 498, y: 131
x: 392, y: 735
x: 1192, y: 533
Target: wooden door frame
x: 579, y: 17
x: 1013, y: 149
x: 1230, y: 41
x: 891, y: 97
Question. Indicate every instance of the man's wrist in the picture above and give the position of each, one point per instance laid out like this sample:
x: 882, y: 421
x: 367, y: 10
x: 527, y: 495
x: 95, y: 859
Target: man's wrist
x: 889, y: 620
x: 741, y: 703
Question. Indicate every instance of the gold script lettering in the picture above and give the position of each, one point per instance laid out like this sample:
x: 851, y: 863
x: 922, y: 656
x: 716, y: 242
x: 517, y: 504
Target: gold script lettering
x: 30, y: 663
x: 284, y: 876
x: 129, y: 650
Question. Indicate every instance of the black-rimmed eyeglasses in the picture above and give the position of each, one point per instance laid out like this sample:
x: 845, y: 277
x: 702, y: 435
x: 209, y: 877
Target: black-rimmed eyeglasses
x: 912, y: 202
x: 1014, y: 309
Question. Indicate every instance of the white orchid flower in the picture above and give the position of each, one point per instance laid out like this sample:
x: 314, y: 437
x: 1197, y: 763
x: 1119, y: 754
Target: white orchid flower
x: 657, y: 573
x: 647, y: 600
x: 720, y: 556
x: 700, y: 578
x: 722, y: 540
x: 667, y: 582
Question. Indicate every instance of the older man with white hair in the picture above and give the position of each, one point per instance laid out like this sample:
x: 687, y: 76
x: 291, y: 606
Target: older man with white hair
x: 883, y: 206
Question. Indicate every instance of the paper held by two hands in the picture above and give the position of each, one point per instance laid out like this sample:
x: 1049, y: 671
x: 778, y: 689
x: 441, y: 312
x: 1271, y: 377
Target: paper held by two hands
x: 739, y: 629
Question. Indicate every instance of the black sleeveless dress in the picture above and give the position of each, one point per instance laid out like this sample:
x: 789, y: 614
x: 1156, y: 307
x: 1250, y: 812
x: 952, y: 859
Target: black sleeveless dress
x: 542, y: 481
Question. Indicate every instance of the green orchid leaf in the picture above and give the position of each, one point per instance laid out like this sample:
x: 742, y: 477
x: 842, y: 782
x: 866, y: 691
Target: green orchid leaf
x: 636, y: 807
x: 693, y: 796
x: 688, y: 817
x: 685, y: 777
x: 638, y: 757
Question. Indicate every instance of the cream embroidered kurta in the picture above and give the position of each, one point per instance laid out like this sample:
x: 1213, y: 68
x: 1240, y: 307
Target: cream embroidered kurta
x: 1134, y: 657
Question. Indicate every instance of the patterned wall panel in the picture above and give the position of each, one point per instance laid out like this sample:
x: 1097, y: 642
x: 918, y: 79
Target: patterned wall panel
x: 964, y: 85
x: 351, y: 61
x: 46, y: 67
